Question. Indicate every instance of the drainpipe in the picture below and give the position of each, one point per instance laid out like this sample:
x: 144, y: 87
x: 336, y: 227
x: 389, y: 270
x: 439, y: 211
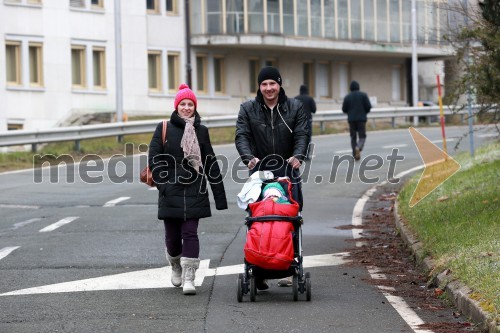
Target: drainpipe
x: 414, y: 59
x: 188, y: 44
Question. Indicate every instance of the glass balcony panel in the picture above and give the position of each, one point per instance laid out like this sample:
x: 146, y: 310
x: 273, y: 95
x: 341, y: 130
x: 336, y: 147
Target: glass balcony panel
x: 382, y: 20
x: 369, y: 20
x: 431, y: 14
x: 316, y: 18
x: 329, y: 18
x: 195, y: 12
x: 234, y: 17
x: 356, y: 19
x: 214, y: 19
x: 273, y: 17
x: 343, y: 19
x: 420, y: 4
x: 394, y: 20
x: 406, y: 21
x: 255, y: 16
x: 302, y: 18
x: 288, y: 18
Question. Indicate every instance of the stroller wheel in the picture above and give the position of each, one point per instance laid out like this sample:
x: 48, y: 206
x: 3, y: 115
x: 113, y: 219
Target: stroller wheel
x: 239, y: 289
x: 253, y: 289
x: 295, y: 288
x: 308, y: 287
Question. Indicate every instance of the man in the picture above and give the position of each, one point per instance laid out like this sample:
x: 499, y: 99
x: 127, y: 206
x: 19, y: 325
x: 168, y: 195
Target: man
x: 309, y: 109
x: 272, y: 132
x: 356, y: 105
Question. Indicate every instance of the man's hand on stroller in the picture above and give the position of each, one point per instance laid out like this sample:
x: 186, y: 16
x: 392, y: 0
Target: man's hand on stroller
x: 294, y: 162
x: 253, y: 162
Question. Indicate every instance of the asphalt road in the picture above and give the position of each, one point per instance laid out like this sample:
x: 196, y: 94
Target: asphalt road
x: 102, y: 267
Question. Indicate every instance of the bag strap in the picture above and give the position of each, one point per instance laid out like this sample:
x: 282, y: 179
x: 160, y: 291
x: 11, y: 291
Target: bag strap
x: 164, y: 132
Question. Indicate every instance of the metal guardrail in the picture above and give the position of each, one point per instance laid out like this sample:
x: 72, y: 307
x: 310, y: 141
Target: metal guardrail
x: 78, y: 133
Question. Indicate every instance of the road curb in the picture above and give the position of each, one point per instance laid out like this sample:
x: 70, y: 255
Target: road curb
x: 456, y: 291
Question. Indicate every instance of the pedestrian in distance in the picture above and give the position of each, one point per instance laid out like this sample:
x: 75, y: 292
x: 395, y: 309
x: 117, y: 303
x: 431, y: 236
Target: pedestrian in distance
x: 272, y: 130
x: 357, y: 105
x: 181, y: 167
x: 309, y: 106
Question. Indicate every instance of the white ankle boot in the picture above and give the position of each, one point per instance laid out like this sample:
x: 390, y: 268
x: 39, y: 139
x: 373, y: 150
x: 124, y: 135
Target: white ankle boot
x: 175, y: 262
x: 189, y: 267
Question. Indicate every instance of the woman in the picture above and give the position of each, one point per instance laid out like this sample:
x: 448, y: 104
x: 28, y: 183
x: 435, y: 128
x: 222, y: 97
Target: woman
x: 181, y: 167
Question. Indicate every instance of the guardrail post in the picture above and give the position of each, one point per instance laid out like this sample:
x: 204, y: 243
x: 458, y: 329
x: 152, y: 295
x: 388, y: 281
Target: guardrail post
x: 322, y: 127
x: 393, y: 122
x: 33, y: 147
x: 119, y: 138
x: 77, y: 145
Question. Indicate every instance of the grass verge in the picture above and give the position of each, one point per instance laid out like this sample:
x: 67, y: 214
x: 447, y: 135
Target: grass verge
x: 459, y: 224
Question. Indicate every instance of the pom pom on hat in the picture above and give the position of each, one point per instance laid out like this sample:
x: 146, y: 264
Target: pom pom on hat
x: 269, y: 73
x: 185, y: 93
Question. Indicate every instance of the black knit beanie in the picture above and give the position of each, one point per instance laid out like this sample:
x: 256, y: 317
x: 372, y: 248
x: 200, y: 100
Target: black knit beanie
x: 269, y: 73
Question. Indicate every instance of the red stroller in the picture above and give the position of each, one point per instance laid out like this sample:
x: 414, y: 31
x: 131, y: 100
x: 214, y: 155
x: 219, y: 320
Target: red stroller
x: 273, y: 248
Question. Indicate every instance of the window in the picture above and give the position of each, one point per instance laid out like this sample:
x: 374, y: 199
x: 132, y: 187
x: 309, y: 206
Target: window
x: 302, y: 21
x: 78, y: 66
x: 214, y: 14
x: 394, y: 20
x: 14, y: 126
x: 316, y: 28
x: 171, y: 6
x: 219, y: 75
x: 255, y: 16
x: 344, y: 79
x: 324, y: 80
x: 201, y: 73
x: 343, y: 21
x: 173, y: 72
x: 152, y: 6
x: 99, y: 67
x: 382, y: 21
x: 273, y: 17
x: 234, y: 16
x: 396, y: 83
x: 288, y: 18
x: 97, y: 3
x: 88, y: 66
x: 369, y: 20
x: 24, y: 2
x: 271, y: 62
x: 253, y: 70
x: 35, y: 64
x: 13, y: 62
x: 355, y: 19
x: 154, y: 71
x: 24, y: 62
x: 308, y: 77
x: 329, y: 18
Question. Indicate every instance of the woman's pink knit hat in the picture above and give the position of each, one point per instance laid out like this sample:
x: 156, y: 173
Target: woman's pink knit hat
x: 183, y: 93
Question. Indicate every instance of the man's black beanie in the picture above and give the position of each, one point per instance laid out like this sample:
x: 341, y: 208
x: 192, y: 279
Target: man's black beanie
x: 269, y: 73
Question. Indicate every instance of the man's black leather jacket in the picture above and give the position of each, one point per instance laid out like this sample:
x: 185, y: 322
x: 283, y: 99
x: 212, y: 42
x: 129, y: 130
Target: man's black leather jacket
x: 262, y: 132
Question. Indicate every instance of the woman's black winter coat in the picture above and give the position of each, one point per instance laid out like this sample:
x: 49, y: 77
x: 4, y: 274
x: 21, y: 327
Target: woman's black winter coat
x: 183, y: 192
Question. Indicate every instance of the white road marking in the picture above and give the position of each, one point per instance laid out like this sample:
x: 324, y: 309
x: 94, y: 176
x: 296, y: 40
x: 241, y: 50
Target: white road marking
x: 343, y: 151
x: 6, y: 251
x: 411, y: 318
x: 113, y: 203
x: 160, y: 277
x: 398, y: 303
x: 19, y: 206
x: 58, y: 224
x: 441, y: 140
x: 22, y: 224
x: 395, y: 146
x: 490, y: 135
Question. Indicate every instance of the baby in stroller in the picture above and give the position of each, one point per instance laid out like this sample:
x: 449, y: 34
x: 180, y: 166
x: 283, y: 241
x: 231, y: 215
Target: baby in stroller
x: 273, y: 247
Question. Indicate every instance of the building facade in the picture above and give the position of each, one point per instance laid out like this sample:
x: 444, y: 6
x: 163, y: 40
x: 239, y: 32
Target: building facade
x: 58, y: 59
